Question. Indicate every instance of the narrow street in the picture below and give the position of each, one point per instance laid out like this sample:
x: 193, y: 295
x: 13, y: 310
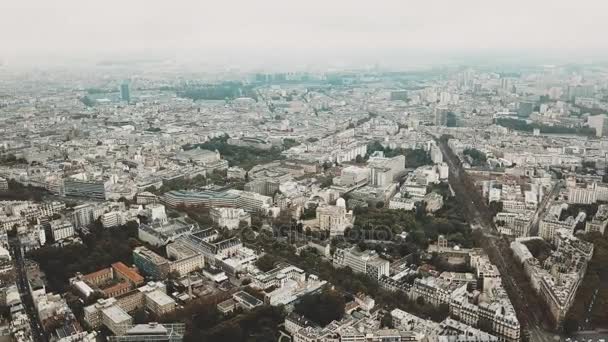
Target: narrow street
x: 542, y: 208
x: 527, y: 304
x: 587, y: 321
x: 26, y: 298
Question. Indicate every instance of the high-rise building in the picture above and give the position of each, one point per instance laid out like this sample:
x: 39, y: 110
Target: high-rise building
x: 525, y: 108
x: 599, y: 123
x: 61, y: 229
x: 504, y: 83
x: 441, y: 116
x: 399, y: 95
x: 436, y: 155
x: 383, y: 170
x: 125, y: 94
x: 580, y: 91
x: 83, y: 215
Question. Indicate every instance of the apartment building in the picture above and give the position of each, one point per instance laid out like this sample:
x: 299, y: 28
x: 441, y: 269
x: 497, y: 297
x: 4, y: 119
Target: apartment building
x: 367, y: 262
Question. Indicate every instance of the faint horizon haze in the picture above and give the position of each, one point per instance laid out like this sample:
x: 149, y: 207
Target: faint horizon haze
x: 303, y: 32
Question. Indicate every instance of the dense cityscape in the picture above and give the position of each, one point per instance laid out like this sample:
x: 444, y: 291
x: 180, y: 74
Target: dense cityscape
x: 209, y: 173
x: 446, y: 205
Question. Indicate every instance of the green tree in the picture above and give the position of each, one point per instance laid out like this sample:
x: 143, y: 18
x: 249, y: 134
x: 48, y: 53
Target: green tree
x: 309, y: 212
x: 323, y: 308
x: 266, y: 262
x: 477, y: 157
x: 289, y: 143
x: 570, y: 326
x: 387, y: 321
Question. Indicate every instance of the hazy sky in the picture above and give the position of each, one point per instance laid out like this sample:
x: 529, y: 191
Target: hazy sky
x: 90, y: 27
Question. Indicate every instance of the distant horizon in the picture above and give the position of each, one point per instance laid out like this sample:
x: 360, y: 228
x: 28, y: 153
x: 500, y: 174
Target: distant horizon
x: 264, y: 33
x: 356, y: 59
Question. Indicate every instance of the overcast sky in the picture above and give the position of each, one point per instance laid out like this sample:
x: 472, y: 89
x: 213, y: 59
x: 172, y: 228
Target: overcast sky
x: 310, y: 27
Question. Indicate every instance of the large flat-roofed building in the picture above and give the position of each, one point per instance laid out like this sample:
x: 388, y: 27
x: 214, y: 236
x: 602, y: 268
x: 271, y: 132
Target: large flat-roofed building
x: 246, y: 301
x: 251, y: 201
x: 150, y: 263
x: 184, y: 259
x: 384, y: 170
x: 273, y: 277
x: 160, y: 233
x: 115, y: 319
x: 113, y: 312
x: 107, y: 312
x: 352, y: 176
x: 92, y: 313
x: 241, y: 300
x: 131, y: 301
x: 159, y: 302
x: 213, y: 252
x: 266, y: 187
x: 204, y: 198
x: 367, y: 262
x: 84, y: 188
x: 146, y: 197
x: 152, y: 332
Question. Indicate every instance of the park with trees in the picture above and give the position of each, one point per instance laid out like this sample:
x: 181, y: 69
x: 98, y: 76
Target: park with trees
x: 524, y: 126
x: 413, y: 157
x: 100, y: 248
x: 243, y: 156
